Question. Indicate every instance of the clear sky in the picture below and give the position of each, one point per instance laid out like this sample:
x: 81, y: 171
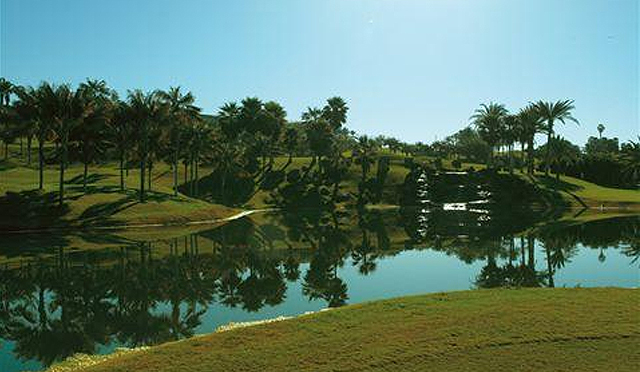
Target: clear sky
x: 414, y: 69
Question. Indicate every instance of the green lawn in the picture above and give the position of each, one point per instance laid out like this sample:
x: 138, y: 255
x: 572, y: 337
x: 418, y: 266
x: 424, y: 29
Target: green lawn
x: 482, y: 330
x: 103, y: 204
x: 589, y: 193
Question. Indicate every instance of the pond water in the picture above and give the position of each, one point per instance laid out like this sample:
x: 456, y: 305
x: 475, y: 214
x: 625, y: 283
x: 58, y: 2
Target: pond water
x: 92, y: 293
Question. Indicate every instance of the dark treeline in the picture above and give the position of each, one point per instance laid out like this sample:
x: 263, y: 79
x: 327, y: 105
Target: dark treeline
x: 90, y: 124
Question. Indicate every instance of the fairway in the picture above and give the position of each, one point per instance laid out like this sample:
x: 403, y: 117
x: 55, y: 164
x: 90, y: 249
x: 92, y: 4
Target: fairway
x: 481, y: 330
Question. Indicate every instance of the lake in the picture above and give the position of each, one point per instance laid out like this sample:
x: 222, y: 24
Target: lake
x: 91, y: 292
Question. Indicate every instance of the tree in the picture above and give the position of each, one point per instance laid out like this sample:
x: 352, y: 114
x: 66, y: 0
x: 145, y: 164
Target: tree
x: 120, y: 133
x: 489, y: 120
x: 90, y: 133
x: 335, y: 112
x: 146, y: 111
x: 529, y: 123
x: 8, y: 128
x: 65, y: 109
x: 182, y: 111
x: 550, y: 113
x: 630, y: 158
x: 600, y: 129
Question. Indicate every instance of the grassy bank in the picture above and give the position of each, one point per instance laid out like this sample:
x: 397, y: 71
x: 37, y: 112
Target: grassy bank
x: 581, y: 193
x: 103, y: 203
x: 495, y: 330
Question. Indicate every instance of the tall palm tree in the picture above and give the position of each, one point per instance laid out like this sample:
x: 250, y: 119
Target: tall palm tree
x: 146, y: 111
x: 335, y: 112
x: 529, y: 123
x: 26, y: 108
x: 489, y: 120
x: 8, y: 131
x: 552, y: 112
x: 601, y: 129
x: 120, y: 132
x: 65, y: 109
x: 182, y: 111
x: 509, y: 136
x: 90, y: 134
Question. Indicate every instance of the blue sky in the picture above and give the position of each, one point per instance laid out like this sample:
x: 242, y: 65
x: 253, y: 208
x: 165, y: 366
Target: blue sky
x: 414, y: 69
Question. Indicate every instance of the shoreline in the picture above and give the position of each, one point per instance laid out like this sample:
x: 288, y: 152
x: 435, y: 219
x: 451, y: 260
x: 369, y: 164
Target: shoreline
x: 630, y: 208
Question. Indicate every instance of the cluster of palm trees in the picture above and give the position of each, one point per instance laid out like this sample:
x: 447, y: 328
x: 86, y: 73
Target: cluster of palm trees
x: 498, y: 128
x: 145, y: 126
x: 93, y: 124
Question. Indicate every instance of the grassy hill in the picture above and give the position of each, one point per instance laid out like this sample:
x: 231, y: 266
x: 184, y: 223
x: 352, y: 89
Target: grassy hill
x: 483, y: 330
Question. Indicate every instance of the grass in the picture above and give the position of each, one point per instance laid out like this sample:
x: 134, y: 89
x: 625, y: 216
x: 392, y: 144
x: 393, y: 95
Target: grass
x: 579, y: 192
x: 103, y: 204
x: 483, y: 330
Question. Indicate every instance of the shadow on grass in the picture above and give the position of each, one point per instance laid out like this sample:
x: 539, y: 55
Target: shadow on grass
x: 91, y: 178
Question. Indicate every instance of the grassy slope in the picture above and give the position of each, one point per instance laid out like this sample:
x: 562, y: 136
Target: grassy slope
x: 493, y: 330
x: 589, y: 193
x: 103, y: 204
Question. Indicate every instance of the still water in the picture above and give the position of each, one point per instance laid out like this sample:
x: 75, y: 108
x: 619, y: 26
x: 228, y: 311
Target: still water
x: 92, y: 293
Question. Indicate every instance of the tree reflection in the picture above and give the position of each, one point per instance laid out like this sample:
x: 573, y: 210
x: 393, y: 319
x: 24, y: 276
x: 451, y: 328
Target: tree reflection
x: 149, y: 292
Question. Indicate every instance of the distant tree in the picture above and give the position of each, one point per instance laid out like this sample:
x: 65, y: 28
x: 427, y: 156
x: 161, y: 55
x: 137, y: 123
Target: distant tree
x: 600, y: 129
x: 601, y: 145
x: 550, y: 113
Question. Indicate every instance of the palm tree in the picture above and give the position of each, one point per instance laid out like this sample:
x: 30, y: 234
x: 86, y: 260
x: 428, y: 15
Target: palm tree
x: 630, y: 159
x: 552, y: 112
x: 489, y: 120
x: 90, y: 134
x: 529, y: 123
x: 26, y: 109
x: 182, y: 111
x: 600, y: 129
x: 290, y: 143
x: 335, y: 112
x: 509, y: 133
x: 6, y: 90
x: 8, y: 131
x: 146, y: 111
x: 65, y: 109
x: 120, y: 132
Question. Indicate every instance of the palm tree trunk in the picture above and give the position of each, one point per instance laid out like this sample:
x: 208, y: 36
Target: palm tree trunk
x: 84, y: 177
x: 175, y: 173
x: 510, y: 155
x: 547, y: 165
x: 122, y: 171
x: 29, y: 139
x: 531, y: 248
x: 143, y: 163
x: 41, y: 163
x: 530, y: 157
x: 522, y: 159
x: 63, y: 159
x: 22, y: 153
x: 149, y: 178
x: 196, y: 178
x: 6, y: 150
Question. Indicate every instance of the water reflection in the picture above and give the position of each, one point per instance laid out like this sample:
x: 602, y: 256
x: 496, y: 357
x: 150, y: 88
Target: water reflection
x: 143, y: 292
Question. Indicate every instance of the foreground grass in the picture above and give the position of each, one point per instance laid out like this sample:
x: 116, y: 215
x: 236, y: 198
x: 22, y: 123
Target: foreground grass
x: 484, y: 330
